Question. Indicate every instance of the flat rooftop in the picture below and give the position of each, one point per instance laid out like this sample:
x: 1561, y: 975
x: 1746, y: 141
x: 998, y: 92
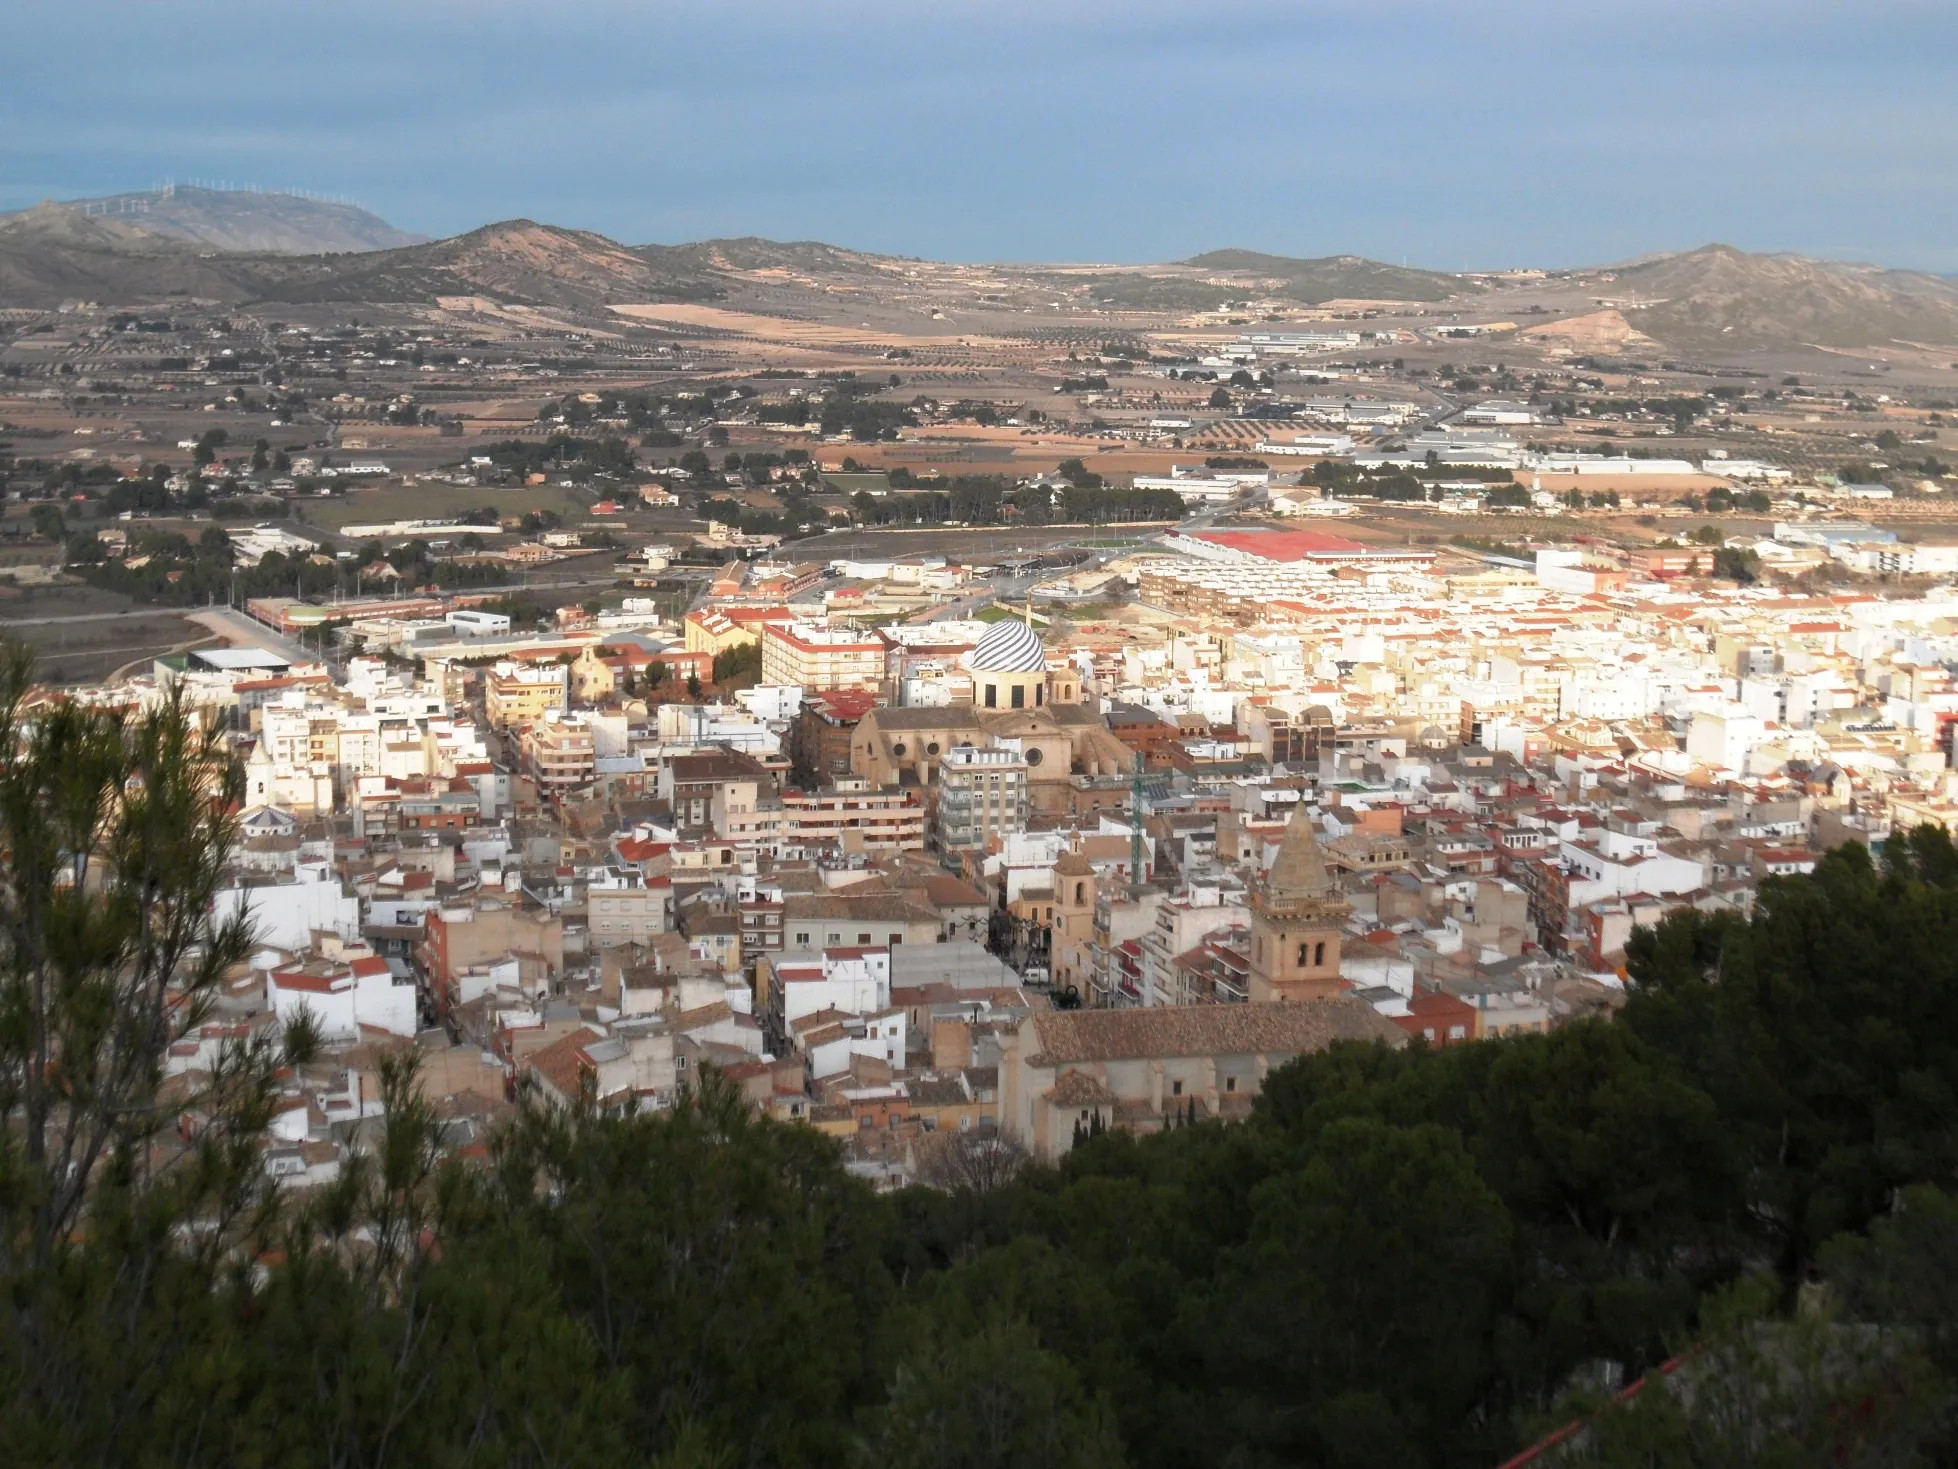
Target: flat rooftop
x: 233, y: 660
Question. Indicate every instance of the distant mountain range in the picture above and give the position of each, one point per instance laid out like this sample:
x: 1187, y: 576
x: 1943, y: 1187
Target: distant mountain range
x: 235, y: 248
x: 246, y: 220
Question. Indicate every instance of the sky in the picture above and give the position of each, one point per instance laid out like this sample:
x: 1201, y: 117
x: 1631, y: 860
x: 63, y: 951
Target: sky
x: 1441, y: 133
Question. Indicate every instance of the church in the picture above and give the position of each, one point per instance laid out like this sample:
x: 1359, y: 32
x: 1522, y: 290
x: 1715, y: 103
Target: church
x: 1297, y: 916
x: 1068, y: 1074
x: 1015, y: 696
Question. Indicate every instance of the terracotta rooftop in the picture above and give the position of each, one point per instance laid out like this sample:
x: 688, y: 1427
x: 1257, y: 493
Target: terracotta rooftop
x: 1276, y: 1028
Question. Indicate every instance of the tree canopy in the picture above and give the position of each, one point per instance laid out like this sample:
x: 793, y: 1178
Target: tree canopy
x: 1417, y: 1257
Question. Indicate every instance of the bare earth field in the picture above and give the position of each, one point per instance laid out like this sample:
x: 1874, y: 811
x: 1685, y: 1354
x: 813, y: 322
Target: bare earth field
x: 956, y: 544
x: 81, y: 635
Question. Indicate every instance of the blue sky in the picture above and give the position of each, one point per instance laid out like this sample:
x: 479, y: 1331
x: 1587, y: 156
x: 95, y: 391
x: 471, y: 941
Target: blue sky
x: 1508, y: 132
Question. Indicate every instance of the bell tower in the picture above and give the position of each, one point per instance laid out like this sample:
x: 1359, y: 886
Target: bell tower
x: 1296, y: 918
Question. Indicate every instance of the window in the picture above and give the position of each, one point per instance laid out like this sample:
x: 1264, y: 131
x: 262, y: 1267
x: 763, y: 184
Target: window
x: 1455, y: 1033
x: 1080, y: 889
x: 932, y: 748
x: 863, y: 938
x: 1035, y: 756
x: 1305, y: 952
x: 1176, y: 1088
x: 1039, y: 693
x: 1318, y: 954
x: 898, y: 748
x: 992, y: 696
x: 802, y: 939
x: 896, y: 939
x: 679, y: 1063
x: 1019, y: 696
x: 1230, y: 1083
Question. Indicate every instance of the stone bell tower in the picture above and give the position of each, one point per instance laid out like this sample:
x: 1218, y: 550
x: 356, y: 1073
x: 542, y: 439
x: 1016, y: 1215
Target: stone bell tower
x: 1296, y: 918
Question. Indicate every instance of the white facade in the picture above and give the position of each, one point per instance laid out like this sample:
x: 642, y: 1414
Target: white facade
x: 286, y: 915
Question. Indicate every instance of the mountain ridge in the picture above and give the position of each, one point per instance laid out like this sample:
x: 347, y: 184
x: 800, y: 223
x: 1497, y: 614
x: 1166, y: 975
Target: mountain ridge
x: 246, y: 221
x: 1711, y: 298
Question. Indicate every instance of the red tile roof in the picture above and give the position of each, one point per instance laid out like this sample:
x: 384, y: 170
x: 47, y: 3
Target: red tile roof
x: 1281, y: 545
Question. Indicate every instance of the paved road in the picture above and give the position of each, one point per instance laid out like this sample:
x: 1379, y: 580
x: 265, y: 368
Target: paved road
x: 77, y: 617
x: 249, y: 632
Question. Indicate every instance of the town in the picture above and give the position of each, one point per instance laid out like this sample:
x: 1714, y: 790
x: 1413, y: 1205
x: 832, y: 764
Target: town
x: 975, y: 737
x: 1010, y: 831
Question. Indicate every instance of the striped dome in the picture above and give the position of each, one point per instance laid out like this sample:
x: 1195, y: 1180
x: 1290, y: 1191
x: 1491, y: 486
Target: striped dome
x: 1008, y: 647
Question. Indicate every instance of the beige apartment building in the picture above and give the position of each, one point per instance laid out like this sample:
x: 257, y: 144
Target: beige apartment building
x: 857, y: 818
x: 518, y: 694
x: 714, y: 630
x: 821, y: 658
x: 621, y: 915
x: 560, y: 755
x: 981, y: 794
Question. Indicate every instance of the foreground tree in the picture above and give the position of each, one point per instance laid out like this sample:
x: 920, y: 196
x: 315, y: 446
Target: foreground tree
x: 114, y: 834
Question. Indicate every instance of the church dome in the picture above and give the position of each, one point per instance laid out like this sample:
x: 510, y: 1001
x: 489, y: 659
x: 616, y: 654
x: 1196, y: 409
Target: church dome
x: 1008, y: 647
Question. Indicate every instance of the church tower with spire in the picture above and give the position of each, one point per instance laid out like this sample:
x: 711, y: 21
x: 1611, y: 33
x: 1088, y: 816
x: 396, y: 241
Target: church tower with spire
x: 1296, y: 918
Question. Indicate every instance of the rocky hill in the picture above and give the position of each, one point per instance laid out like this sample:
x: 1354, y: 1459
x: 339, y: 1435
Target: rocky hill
x: 1332, y: 277
x: 1719, y: 299
x: 518, y: 262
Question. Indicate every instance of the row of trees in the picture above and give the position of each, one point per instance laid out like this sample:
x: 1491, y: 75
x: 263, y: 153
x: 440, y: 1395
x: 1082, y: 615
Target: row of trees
x: 167, y: 569
x: 1404, y: 1258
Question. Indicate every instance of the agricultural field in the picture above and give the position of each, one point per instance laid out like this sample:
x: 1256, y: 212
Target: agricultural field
x: 426, y: 501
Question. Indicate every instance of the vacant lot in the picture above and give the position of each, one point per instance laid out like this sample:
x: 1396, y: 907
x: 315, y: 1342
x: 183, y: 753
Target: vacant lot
x: 440, y: 502
x: 80, y: 634
x: 89, y: 651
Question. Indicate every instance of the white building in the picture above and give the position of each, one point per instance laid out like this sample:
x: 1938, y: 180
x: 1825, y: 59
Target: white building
x: 344, y: 997
x: 287, y: 915
x: 1723, y: 738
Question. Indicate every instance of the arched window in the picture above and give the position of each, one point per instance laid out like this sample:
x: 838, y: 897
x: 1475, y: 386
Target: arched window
x: 1080, y: 893
x: 1305, y: 955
